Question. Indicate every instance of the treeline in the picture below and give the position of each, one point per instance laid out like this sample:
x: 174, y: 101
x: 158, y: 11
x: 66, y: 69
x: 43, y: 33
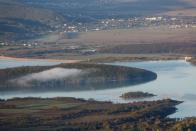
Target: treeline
x: 136, y: 95
x: 95, y: 76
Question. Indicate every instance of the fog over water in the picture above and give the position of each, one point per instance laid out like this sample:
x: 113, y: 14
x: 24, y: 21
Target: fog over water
x: 176, y: 80
x: 51, y: 74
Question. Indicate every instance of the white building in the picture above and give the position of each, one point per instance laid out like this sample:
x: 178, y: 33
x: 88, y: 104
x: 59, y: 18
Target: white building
x: 187, y: 58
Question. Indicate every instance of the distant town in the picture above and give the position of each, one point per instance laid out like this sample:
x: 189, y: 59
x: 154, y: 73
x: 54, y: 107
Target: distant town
x: 129, y: 23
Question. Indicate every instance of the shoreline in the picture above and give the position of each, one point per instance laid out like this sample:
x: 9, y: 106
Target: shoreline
x: 78, y: 114
x: 192, y: 61
x: 134, y: 59
x: 33, y: 59
x: 105, y: 59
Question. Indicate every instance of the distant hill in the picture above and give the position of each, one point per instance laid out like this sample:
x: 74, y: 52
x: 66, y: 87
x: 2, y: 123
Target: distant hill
x: 20, y: 21
x: 14, y: 9
x: 51, y: 13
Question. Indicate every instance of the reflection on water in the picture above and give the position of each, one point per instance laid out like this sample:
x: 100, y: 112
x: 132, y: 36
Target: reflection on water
x: 176, y: 80
x: 71, y: 77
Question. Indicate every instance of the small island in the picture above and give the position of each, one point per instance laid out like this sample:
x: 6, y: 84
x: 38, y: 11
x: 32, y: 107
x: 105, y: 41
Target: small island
x: 136, y: 95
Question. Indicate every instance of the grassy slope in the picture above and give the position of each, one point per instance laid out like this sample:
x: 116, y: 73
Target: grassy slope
x: 19, y: 21
x: 70, y: 113
x: 13, y: 9
x: 184, y: 11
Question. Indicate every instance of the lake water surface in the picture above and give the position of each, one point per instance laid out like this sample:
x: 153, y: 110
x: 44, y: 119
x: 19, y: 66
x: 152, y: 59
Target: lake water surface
x: 176, y: 80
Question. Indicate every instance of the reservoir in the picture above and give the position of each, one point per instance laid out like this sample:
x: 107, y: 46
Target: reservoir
x: 176, y: 80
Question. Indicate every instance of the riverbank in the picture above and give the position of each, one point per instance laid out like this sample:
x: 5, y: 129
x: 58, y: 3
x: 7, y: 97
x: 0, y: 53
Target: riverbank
x: 192, y: 60
x: 107, y: 58
x: 32, y: 59
x: 78, y: 114
x: 130, y: 58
